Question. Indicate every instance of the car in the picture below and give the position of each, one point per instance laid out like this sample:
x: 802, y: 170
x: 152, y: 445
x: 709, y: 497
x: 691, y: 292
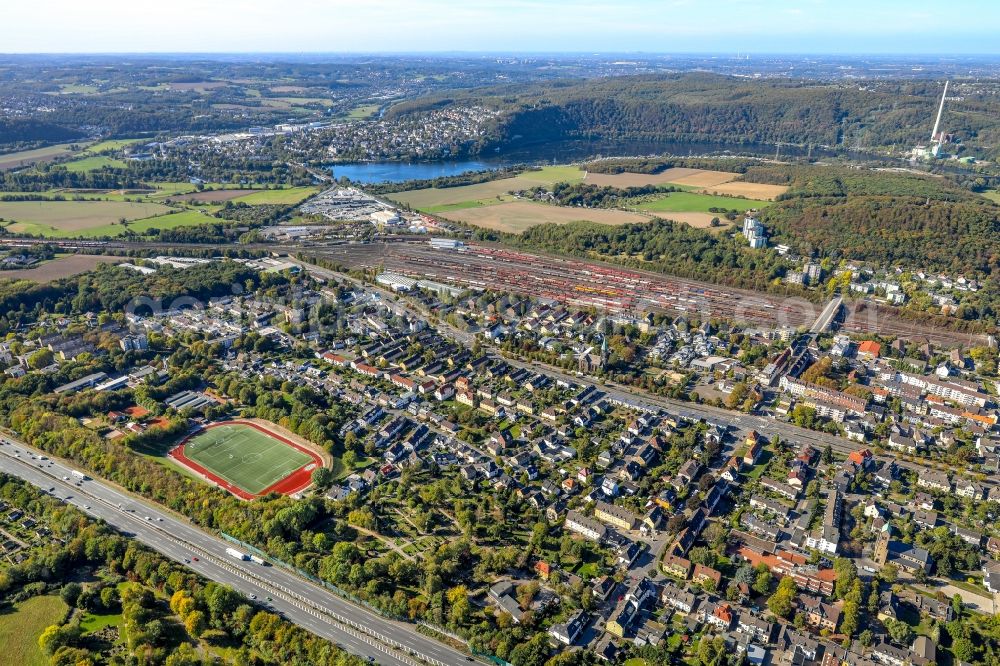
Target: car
x: 86, y: 507
x: 195, y: 559
x: 187, y: 561
x: 159, y: 518
x: 253, y: 596
x: 52, y: 489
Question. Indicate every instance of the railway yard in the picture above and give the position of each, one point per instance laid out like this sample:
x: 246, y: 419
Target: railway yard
x: 579, y: 283
x: 611, y: 288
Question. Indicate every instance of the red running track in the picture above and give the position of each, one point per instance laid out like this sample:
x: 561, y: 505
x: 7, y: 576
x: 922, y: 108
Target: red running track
x: 293, y: 483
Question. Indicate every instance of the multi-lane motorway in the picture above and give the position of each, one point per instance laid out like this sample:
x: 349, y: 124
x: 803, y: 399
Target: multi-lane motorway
x: 317, y: 610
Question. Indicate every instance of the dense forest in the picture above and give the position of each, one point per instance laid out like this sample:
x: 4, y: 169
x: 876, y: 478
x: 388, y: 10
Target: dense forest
x: 709, y: 107
x: 894, y: 219
x: 597, y: 196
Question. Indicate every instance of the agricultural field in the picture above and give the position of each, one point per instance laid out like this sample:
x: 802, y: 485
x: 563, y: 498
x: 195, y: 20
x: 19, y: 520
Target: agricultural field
x: 28, y: 157
x: 516, y: 216
x: 494, y: 191
x: 20, y: 629
x: 667, y: 177
x: 698, y: 180
x: 247, y: 459
x: 72, y: 218
x: 287, y: 196
x: 59, y: 267
x: 750, y: 190
x: 694, y: 219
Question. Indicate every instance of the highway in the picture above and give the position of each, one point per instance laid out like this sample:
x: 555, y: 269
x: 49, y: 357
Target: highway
x: 313, y: 608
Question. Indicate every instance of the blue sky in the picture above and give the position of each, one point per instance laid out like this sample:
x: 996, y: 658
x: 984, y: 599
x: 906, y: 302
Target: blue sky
x: 587, y: 26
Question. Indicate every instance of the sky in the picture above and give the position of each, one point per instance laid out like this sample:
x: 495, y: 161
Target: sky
x: 501, y: 26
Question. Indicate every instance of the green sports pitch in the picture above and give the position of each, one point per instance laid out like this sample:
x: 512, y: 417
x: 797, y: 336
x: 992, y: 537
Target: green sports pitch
x: 245, y: 456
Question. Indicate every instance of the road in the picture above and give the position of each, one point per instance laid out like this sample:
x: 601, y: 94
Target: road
x: 827, y: 316
x: 313, y: 608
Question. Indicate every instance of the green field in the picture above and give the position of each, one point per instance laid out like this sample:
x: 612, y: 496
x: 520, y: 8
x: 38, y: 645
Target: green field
x: 184, y: 218
x: 993, y: 195
x: 362, y: 112
x: 244, y: 456
x: 78, y: 89
x: 93, y: 163
x: 287, y: 196
x: 110, y: 145
x: 20, y: 629
x: 692, y: 202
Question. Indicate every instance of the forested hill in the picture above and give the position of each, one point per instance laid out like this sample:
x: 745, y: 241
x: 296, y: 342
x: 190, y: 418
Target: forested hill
x: 886, y: 218
x: 708, y: 107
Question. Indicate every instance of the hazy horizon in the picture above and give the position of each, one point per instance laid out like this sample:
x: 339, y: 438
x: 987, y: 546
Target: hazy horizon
x: 525, y: 27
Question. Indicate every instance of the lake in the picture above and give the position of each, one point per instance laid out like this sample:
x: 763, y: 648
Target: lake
x: 557, y: 152
x: 396, y: 172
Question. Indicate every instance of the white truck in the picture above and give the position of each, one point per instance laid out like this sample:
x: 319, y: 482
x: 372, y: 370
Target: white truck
x: 259, y: 560
x: 239, y: 555
x: 78, y: 474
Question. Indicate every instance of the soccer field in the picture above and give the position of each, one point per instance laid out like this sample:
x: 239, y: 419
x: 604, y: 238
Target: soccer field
x: 245, y: 456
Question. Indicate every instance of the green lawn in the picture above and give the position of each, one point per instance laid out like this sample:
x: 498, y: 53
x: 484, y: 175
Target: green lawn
x: 244, y: 456
x: 20, y: 629
x: 993, y: 195
x: 92, y: 623
x: 287, y: 196
x: 692, y: 202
